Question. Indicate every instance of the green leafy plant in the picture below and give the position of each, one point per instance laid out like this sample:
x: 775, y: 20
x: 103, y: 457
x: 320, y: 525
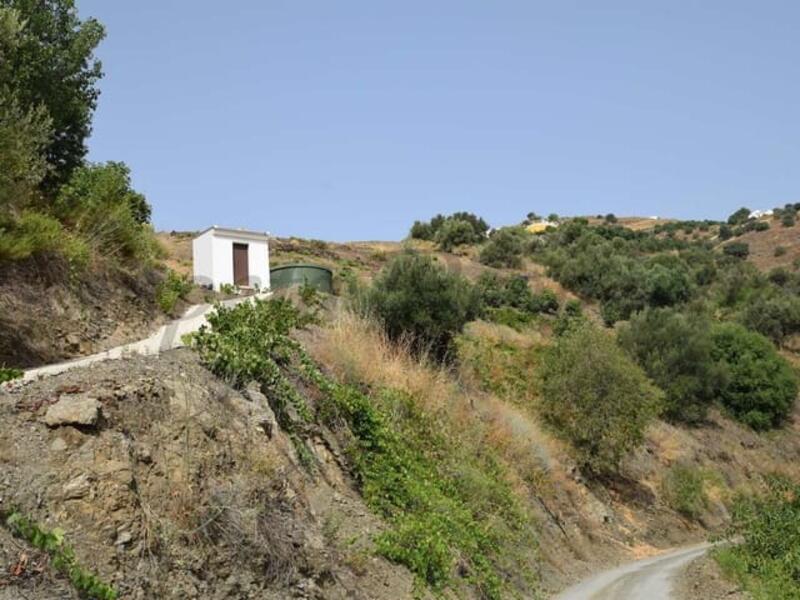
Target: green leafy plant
x: 99, y: 204
x: 409, y: 473
x: 760, y: 387
x: 172, y: 288
x: 595, y: 397
x: 504, y: 248
x: 736, y: 249
x: 418, y: 300
x: 454, y: 232
x: 309, y: 295
x: 62, y: 556
x: 499, y: 294
x: 448, y: 232
x: 675, y: 350
x: 684, y: 489
x: 9, y: 373
x: 764, y: 554
x: 251, y: 342
x: 740, y: 216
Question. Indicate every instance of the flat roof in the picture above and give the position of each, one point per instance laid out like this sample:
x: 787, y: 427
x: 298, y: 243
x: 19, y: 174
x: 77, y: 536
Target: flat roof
x: 235, y: 232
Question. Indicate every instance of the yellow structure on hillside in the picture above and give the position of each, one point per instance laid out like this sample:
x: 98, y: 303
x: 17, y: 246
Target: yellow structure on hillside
x: 540, y: 226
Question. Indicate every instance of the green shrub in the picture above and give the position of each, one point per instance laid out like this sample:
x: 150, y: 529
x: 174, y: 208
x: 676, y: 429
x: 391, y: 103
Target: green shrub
x: 418, y: 300
x: 779, y: 251
x: 740, y: 216
x: 570, y: 317
x: 454, y: 232
x: 675, y: 350
x: 504, y: 248
x: 764, y: 554
x: 760, y: 226
x: 251, y: 341
x: 35, y: 233
x: 62, y: 556
x: 9, y: 373
x: 421, y: 231
x: 788, y: 219
x: 737, y: 249
x: 772, y: 312
x: 309, y: 295
x: 500, y: 366
x: 443, y: 506
x: 684, y: 490
x: 725, y: 232
x: 497, y: 292
x: 510, y: 317
x: 596, y: 398
x: 545, y: 301
x: 172, y: 288
x: 610, y: 218
x: 760, y: 387
x: 99, y: 205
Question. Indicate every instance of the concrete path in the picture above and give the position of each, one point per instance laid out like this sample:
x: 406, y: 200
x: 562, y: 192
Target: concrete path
x: 649, y: 579
x: 167, y: 337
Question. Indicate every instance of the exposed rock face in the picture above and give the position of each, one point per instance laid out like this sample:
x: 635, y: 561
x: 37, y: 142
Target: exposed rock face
x: 261, y: 414
x: 189, y: 490
x: 74, y: 409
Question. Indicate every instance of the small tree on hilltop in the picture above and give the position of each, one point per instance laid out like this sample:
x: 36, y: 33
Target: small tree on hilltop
x: 417, y: 299
x: 454, y: 232
x: 504, y: 249
x: 740, y: 216
x: 596, y: 398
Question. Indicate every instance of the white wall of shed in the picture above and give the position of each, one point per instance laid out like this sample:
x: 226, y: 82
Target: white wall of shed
x: 203, y: 259
x: 257, y: 259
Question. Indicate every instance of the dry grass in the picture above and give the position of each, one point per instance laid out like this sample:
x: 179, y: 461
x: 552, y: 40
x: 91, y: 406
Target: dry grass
x: 357, y: 351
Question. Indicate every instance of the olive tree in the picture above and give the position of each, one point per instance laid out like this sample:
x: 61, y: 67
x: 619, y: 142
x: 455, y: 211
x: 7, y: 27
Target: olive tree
x: 595, y: 397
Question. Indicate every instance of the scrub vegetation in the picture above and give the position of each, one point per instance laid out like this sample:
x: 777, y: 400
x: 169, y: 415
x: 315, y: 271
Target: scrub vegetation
x: 52, y: 201
x: 62, y: 556
x: 446, y: 503
x: 767, y: 559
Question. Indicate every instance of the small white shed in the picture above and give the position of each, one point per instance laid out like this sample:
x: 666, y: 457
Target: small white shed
x: 234, y: 256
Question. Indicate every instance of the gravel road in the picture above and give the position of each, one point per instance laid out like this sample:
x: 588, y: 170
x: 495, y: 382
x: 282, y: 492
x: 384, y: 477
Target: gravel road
x: 651, y: 578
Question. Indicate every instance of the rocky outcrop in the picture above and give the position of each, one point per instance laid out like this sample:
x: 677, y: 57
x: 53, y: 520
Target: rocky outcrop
x: 73, y: 409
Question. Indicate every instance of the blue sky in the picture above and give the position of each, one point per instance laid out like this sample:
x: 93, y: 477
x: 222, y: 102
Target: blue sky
x: 349, y: 119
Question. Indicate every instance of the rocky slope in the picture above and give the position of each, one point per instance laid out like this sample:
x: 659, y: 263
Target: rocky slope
x: 170, y: 484
x: 48, y: 313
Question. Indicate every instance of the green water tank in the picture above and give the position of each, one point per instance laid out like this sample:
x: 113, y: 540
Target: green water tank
x: 286, y: 276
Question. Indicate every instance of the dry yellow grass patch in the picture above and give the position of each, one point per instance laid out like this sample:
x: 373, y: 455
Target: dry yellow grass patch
x: 358, y: 351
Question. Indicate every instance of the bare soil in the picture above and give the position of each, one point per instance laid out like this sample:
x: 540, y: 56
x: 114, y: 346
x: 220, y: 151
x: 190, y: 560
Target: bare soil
x: 48, y: 314
x: 178, y: 491
x: 703, y: 580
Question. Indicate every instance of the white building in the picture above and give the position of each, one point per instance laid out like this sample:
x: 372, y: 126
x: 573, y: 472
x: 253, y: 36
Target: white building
x: 231, y: 256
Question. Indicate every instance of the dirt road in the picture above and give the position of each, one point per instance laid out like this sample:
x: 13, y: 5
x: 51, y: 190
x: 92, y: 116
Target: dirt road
x: 650, y: 578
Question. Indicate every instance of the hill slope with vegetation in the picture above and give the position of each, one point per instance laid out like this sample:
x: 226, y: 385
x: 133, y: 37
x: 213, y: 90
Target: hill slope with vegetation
x: 547, y: 364
x: 476, y: 412
x: 79, y: 264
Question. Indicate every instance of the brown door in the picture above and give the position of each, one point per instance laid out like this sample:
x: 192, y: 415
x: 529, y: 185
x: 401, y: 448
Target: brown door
x: 241, y: 275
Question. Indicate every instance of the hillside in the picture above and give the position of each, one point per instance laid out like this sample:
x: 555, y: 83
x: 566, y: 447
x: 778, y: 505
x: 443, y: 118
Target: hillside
x: 240, y: 466
x: 561, y: 407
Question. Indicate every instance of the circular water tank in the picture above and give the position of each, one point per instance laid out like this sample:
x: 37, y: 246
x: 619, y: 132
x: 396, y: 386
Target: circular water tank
x: 316, y: 276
